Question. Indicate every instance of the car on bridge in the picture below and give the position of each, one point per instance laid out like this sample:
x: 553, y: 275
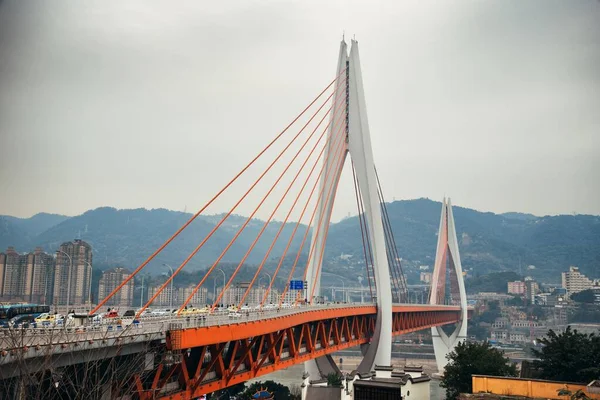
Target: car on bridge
x: 111, y: 314
x: 234, y: 315
x: 47, y: 319
x: 22, y: 321
x: 195, y: 311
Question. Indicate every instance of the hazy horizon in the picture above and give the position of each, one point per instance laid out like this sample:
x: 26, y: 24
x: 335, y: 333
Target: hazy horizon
x: 191, y: 212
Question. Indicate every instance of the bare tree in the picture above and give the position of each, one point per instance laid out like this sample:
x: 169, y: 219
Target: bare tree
x: 69, y: 363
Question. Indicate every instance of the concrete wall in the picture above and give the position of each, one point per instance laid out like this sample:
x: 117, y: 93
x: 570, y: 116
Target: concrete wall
x: 416, y: 391
x: 525, y: 387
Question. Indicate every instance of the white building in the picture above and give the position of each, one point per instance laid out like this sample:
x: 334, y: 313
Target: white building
x: 198, y: 299
x: 575, y: 282
x: 408, y: 384
x: 163, y: 299
x: 516, y: 287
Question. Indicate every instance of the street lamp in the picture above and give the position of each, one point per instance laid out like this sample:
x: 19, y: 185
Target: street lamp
x: 262, y: 277
x: 344, y: 294
x: 215, y: 284
x: 171, y: 296
x: 142, y: 293
x: 89, y: 284
x: 68, y: 279
x: 362, y: 294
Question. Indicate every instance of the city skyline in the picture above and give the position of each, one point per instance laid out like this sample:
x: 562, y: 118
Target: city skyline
x: 501, y: 97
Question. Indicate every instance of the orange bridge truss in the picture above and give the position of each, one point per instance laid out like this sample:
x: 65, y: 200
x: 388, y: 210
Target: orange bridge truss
x: 201, y: 360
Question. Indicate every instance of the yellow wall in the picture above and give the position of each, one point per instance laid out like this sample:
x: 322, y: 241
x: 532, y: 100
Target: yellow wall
x: 525, y: 387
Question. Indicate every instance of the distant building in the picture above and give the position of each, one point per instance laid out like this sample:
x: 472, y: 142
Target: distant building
x: 74, y: 270
x: 26, y: 277
x: 198, y: 299
x: 425, y: 277
x: 575, y: 282
x: 235, y: 295
x: 532, y: 288
x: 109, y: 281
x: 516, y: 287
x: 164, y: 298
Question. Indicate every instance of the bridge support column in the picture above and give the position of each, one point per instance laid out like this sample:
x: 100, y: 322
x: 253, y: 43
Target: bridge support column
x: 448, y: 258
x: 359, y: 146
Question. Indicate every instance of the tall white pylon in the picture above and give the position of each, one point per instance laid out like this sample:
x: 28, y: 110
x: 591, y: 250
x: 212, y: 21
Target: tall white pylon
x: 358, y: 144
x: 448, y: 257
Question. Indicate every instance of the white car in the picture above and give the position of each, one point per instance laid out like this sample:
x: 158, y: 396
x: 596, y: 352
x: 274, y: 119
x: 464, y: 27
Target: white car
x: 235, y: 315
x: 286, y: 305
x: 245, y: 308
x: 270, y: 306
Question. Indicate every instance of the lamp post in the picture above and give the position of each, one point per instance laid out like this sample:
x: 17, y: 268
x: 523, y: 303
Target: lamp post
x: 344, y: 294
x: 362, y: 297
x: 341, y: 278
x: 89, y: 284
x: 215, y: 285
x: 142, y: 293
x: 171, y: 296
x: 68, y: 279
x: 262, y: 277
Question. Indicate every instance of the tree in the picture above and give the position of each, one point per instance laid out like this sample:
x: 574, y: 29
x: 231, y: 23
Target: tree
x: 279, y: 391
x: 578, y: 395
x: 570, y: 356
x: 295, y: 392
x: 515, y: 301
x: 538, y: 312
x: 228, y: 392
x: 334, y: 379
x: 585, y: 296
x: 469, y: 359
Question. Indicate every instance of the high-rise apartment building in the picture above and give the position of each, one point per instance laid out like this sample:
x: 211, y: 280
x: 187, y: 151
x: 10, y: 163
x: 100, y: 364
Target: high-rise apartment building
x: 425, y: 277
x: 41, y: 286
x: 26, y: 277
x: 109, y: 281
x: 197, y: 300
x: 73, y: 273
x: 516, y: 287
x: 233, y: 294
x: 531, y: 289
x: 575, y: 282
x: 164, y: 298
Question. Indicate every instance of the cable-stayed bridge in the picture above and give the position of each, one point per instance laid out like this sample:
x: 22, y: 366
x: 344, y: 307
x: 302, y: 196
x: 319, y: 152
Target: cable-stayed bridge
x: 294, y: 179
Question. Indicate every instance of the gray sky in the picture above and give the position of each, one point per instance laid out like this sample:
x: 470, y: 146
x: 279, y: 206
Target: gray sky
x: 158, y: 103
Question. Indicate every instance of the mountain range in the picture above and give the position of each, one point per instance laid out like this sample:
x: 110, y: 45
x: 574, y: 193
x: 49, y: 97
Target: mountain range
x: 538, y: 246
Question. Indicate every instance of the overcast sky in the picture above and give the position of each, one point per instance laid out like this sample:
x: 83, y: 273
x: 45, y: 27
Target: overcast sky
x: 158, y: 103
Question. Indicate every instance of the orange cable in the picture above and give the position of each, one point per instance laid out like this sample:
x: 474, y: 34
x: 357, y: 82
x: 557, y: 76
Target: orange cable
x: 321, y: 191
x: 276, y: 207
x: 266, y: 256
x: 248, y: 219
x: 228, y: 214
x: 166, y: 243
x: 331, y: 190
x: 335, y: 136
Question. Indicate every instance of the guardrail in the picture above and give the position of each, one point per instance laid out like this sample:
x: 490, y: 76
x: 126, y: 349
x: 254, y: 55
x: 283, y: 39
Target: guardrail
x: 11, y: 338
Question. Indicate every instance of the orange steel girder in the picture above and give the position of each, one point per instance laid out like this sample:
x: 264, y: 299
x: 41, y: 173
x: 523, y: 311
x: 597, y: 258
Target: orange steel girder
x: 215, y: 357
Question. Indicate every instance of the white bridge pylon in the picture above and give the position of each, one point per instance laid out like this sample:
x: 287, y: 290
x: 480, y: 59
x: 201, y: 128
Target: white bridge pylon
x: 447, y: 259
x: 358, y: 145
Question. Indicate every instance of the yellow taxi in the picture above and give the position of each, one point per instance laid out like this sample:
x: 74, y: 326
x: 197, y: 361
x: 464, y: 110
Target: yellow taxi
x: 47, y: 318
x: 194, y: 311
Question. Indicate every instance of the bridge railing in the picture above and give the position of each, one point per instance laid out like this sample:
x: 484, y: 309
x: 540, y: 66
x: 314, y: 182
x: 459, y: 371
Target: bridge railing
x: 11, y: 338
